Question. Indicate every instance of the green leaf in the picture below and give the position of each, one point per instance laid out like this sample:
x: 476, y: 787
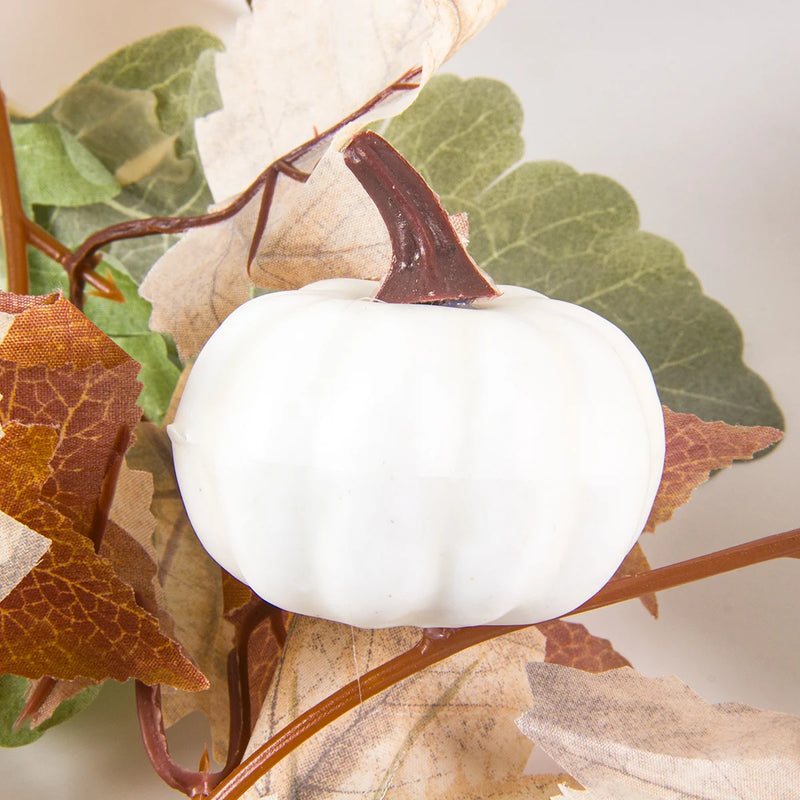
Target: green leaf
x: 576, y: 237
x: 55, y: 169
x: 12, y: 700
x: 135, y: 112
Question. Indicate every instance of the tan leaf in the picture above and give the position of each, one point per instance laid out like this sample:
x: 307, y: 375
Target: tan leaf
x: 20, y: 551
x: 293, y: 70
x: 296, y: 68
x: 627, y: 737
x: 694, y: 449
x: 445, y: 732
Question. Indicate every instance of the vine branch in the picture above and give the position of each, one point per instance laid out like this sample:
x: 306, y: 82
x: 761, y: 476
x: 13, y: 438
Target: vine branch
x: 19, y: 231
x: 436, y: 645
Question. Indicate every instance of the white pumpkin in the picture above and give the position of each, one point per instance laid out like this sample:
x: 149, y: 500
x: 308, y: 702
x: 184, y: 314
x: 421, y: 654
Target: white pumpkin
x: 381, y: 464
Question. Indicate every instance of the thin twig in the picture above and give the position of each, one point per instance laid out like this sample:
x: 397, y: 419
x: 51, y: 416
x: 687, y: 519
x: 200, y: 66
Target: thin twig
x: 14, y: 234
x: 436, y: 646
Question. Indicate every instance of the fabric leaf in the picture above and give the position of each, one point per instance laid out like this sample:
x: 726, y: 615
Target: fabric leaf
x: 445, y: 732
x: 318, y: 63
x: 627, y: 737
x: 695, y: 449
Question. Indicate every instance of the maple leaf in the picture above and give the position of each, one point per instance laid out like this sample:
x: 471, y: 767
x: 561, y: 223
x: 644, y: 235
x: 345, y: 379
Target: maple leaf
x: 695, y: 449
x: 68, y: 408
x: 571, y: 645
x: 445, y: 732
x: 306, y: 68
x: 627, y: 737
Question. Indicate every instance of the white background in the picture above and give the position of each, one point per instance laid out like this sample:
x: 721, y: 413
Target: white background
x: 693, y: 107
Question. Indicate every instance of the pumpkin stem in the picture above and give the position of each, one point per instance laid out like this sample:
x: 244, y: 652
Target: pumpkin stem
x: 429, y: 262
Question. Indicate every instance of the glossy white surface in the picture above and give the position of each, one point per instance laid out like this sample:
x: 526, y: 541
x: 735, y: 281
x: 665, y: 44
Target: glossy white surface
x: 692, y: 107
x: 382, y: 465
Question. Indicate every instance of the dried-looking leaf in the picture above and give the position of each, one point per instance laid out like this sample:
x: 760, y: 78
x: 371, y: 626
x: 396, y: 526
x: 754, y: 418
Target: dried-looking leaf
x: 20, y: 551
x: 445, y: 732
x: 68, y: 408
x: 71, y: 616
x: 318, y: 63
x: 627, y: 737
x: 571, y: 645
x: 694, y: 449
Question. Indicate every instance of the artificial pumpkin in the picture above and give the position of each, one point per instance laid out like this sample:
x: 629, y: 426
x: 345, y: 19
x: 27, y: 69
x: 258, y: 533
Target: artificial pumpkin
x: 384, y: 464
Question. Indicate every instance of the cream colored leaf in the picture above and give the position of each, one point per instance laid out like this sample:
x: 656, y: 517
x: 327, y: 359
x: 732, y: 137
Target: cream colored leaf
x: 627, y: 737
x: 200, y: 280
x: 446, y: 732
x: 21, y: 549
x: 292, y: 70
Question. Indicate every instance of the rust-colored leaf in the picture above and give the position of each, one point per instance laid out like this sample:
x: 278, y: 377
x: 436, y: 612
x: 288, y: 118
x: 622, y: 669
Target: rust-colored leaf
x: 694, y: 449
x: 68, y: 408
x: 571, y: 645
x: 71, y: 616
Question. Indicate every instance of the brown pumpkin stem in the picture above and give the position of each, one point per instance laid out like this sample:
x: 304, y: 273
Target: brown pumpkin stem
x: 438, y: 644
x: 429, y: 262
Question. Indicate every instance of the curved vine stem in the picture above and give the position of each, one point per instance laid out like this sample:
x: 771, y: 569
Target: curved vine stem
x: 437, y: 645
x: 14, y: 232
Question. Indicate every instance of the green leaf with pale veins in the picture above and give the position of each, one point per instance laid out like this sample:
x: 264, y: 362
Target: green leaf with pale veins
x: 135, y: 113
x: 577, y: 238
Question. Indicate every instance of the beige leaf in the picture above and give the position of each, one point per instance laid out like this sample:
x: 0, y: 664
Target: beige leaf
x: 294, y: 69
x: 200, y: 280
x: 445, y: 732
x: 21, y: 549
x: 627, y: 737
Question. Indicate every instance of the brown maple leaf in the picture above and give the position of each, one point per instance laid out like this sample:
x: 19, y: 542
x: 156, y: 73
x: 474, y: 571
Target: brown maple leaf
x: 695, y: 449
x: 571, y: 645
x: 71, y: 616
x: 68, y: 409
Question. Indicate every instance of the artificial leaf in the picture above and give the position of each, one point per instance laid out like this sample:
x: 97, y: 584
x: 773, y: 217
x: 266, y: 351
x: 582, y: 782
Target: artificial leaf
x: 135, y: 113
x: 55, y: 169
x: 71, y: 616
x: 571, y: 645
x: 20, y: 551
x: 696, y: 448
x: 366, y: 47
x: 12, y: 700
x: 126, y: 324
x: 627, y: 737
x: 445, y: 732
x: 576, y: 237
x: 68, y: 409
x: 294, y: 69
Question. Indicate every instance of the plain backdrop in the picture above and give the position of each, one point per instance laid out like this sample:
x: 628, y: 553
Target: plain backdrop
x: 693, y: 107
